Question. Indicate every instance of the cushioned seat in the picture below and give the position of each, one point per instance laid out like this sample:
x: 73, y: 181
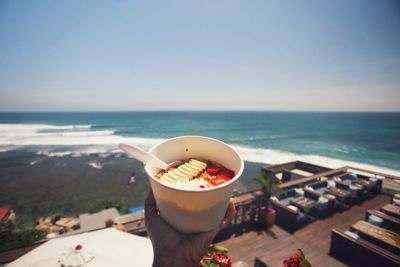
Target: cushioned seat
x: 285, y: 201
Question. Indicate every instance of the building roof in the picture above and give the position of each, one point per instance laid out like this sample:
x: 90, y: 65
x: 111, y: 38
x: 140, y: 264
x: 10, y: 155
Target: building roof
x: 3, y: 213
x: 97, y: 220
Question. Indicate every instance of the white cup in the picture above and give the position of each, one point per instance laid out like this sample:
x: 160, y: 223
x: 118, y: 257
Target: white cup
x: 192, y: 211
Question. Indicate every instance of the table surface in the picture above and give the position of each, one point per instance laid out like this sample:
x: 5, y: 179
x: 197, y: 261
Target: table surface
x: 363, y: 182
x: 392, y: 209
x: 303, y: 203
x: 337, y: 192
x: 375, y: 232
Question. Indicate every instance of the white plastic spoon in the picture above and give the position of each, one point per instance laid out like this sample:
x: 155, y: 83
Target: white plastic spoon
x: 146, y: 157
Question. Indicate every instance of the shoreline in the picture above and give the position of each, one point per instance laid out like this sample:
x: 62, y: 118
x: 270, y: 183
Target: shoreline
x: 333, y: 163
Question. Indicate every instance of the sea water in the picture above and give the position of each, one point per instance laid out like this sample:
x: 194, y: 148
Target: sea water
x: 64, y: 163
x: 332, y: 139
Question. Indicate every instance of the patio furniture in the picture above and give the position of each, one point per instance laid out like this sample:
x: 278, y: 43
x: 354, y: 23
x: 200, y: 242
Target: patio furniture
x: 375, y: 220
x: 371, y: 185
x: 317, y: 190
x: 396, y: 199
x: 356, y: 251
x: 315, y: 206
x: 341, y: 194
x: 358, y: 192
x: 389, y: 222
x: 376, y: 235
x: 318, y: 187
x: 391, y: 210
x: 303, y: 203
x: 324, y: 206
x: 287, y: 218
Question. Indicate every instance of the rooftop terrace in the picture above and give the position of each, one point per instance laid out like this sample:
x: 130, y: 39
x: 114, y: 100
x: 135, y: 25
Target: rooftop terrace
x: 275, y: 244
x: 247, y: 241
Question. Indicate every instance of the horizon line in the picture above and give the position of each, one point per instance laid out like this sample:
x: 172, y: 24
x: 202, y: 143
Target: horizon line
x: 182, y: 110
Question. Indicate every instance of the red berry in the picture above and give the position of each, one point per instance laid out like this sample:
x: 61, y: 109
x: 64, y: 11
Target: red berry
x: 213, y: 170
x: 212, y: 183
x: 224, y: 178
x: 228, y: 173
x: 219, y: 179
x: 295, y: 258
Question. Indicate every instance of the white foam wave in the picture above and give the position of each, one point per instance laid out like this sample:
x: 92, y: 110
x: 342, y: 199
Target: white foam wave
x: 32, y: 135
x: 7, y: 127
x: 102, y: 151
x: 4, y: 148
x: 78, y: 134
x: 95, y: 165
x: 79, y: 143
x: 256, y: 138
x: 54, y: 154
x: 271, y: 156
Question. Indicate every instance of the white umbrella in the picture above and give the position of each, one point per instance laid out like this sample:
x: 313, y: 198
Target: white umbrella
x: 107, y: 247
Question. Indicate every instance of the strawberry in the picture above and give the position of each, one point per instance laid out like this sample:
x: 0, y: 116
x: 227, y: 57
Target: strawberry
x: 227, y: 173
x: 213, y: 170
x: 212, y: 183
x: 296, y: 258
x: 219, y: 179
x: 223, y: 177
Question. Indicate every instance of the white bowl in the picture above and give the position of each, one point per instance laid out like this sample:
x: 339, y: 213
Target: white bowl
x: 191, y: 211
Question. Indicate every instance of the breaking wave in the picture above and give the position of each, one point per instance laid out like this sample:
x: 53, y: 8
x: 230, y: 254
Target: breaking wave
x: 80, y: 140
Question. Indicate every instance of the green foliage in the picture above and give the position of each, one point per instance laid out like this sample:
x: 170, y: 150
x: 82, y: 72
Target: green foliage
x: 217, y: 248
x: 208, y: 264
x: 18, y: 233
x: 101, y: 204
x: 304, y: 262
x: 269, y: 183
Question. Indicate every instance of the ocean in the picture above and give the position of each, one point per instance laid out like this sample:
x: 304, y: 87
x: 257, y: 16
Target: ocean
x: 53, y: 161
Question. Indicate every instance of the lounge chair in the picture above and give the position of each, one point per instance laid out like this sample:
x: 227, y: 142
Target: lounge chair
x: 324, y: 205
x: 288, y: 217
x: 391, y: 210
x: 357, y: 193
x: 396, y: 200
x: 356, y: 251
x: 371, y: 185
x: 376, y: 235
x: 389, y: 222
x: 318, y: 189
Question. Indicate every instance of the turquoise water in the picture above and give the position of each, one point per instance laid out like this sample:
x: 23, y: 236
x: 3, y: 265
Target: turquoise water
x: 371, y: 138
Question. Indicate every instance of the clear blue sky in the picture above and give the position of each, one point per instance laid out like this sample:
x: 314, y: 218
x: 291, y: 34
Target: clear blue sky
x: 199, y: 55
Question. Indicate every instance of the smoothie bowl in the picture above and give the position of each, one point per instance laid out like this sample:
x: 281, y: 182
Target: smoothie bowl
x: 194, y: 196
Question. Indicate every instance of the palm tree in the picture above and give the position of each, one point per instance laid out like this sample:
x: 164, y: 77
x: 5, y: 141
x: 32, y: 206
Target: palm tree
x: 269, y: 184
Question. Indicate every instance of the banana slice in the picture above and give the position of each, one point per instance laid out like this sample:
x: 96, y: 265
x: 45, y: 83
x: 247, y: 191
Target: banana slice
x: 198, y: 163
x: 185, y: 172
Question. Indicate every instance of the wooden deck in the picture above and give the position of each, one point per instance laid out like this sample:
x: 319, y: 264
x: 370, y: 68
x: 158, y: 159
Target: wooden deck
x: 273, y: 245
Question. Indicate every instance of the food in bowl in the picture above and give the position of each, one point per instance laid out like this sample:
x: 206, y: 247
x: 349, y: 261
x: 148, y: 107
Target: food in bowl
x: 196, y: 174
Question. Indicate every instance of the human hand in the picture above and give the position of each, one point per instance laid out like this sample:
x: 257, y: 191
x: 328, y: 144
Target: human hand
x: 173, y: 248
